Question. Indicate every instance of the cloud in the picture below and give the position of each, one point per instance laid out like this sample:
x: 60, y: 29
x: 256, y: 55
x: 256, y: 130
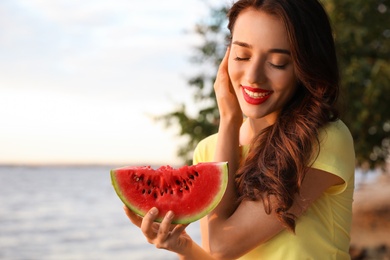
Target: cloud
x: 77, y: 78
x: 61, y: 38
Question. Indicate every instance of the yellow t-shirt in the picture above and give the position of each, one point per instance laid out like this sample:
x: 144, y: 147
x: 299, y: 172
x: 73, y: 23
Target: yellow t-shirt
x: 323, y: 231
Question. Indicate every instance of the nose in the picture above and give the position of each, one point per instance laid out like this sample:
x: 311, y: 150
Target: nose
x: 255, y: 72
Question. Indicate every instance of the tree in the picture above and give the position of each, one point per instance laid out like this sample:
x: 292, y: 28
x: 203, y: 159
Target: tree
x: 362, y: 30
x: 213, y: 34
x: 362, y: 34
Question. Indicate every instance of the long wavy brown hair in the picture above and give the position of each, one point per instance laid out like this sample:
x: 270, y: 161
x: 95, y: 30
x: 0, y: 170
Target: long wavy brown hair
x: 281, y: 154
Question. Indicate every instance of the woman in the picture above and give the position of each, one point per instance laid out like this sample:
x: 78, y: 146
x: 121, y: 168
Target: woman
x: 291, y: 160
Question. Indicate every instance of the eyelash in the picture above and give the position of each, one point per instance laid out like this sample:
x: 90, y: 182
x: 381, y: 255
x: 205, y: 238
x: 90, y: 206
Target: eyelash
x: 280, y: 67
x: 240, y: 59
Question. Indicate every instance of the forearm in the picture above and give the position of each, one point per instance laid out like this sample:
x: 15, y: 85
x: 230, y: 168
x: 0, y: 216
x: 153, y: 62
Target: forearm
x: 227, y: 149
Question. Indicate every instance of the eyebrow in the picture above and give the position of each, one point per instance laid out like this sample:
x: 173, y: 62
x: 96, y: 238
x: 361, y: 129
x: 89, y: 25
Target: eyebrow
x: 274, y: 50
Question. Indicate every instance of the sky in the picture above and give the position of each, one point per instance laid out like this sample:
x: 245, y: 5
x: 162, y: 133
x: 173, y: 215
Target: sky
x: 80, y: 81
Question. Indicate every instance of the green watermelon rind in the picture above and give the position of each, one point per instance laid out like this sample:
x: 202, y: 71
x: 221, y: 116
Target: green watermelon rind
x: 223, y: 166
x: 122, y: 197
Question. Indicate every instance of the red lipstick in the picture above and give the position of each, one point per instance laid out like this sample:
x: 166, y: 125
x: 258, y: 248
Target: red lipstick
x: 255, y: 96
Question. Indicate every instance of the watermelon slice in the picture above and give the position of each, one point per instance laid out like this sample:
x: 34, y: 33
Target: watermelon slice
x: 191, y: 192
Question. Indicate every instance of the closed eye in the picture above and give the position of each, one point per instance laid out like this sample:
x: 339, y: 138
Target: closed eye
x: 276, y: 66
x: 241, y: 59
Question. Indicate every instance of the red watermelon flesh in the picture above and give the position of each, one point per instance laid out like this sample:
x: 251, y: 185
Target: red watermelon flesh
x: 191, y: 192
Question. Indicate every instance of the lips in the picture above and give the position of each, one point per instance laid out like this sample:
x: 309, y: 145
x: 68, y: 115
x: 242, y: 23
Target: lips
x: 255, y: 96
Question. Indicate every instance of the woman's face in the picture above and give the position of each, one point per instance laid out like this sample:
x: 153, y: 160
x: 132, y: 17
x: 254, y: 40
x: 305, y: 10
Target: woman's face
x: 260, y: 65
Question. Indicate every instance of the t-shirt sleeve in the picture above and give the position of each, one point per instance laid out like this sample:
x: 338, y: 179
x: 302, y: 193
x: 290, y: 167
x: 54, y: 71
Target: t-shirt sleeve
x: 336, y: 154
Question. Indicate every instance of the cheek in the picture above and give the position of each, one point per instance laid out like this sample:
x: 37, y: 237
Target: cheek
x: 284, y: 82
x: 288, y: 92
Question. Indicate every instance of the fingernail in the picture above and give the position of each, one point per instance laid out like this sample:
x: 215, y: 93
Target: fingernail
x: 170, y: 215
x: 153, y: 211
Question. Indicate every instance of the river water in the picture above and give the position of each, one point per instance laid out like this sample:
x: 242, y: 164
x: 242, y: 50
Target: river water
x: 49, y: 212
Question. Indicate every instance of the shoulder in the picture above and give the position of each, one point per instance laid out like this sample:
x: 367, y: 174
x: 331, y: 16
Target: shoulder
x: 335, y: 138
x: 204, y: 151
x: 335, y: 153
x: 336, y: 131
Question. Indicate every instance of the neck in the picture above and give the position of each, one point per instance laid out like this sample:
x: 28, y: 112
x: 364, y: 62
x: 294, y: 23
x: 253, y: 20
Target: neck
x: 253, y: 126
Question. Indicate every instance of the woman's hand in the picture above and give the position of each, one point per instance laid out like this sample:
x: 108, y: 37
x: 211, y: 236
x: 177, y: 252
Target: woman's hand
x: 228, y: 105
x: 163, y: 235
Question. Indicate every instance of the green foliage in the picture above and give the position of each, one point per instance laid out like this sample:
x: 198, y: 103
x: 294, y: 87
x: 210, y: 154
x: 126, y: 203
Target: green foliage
x: 213, y: 33
x: 362, y: 33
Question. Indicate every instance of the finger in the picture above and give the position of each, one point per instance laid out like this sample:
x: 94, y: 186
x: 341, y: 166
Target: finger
x: 134, y: 218
x: 226, y: 57
x: 179, y: 234
x: 224, y: 63
x: 147, y: 224
x: 165, y: 226
x: 155, y: 227
x: 179, y: 229
x: 222, y: 82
